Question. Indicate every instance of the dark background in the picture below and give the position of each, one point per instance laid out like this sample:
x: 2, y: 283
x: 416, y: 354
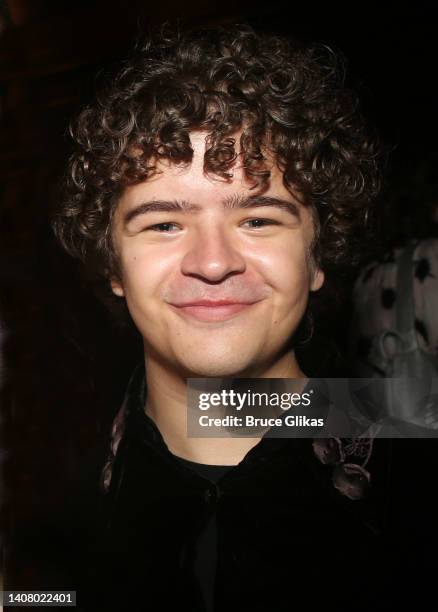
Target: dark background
x: 65, y: 364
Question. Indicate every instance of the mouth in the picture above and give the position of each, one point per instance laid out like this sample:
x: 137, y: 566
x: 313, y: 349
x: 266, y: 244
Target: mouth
x: 214, y: 311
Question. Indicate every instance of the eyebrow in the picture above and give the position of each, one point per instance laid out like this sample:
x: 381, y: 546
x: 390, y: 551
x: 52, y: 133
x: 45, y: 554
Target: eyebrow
x: 231, y: 203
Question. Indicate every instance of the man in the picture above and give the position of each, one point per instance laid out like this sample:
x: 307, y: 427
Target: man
x: 215, y: 181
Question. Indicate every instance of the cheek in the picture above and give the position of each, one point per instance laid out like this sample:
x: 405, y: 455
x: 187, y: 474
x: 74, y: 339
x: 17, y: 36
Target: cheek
x: 287, y: 269
x: 145, y: 270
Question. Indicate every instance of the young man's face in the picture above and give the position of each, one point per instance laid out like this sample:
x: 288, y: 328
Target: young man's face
x: 216, y: 275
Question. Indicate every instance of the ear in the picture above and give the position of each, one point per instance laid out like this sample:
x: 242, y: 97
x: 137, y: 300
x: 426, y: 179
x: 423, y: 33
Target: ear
x: 318, y: 278
x: 117, y: 287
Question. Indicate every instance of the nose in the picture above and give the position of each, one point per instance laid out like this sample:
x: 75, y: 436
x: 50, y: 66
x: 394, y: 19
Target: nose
x: 212, y: 255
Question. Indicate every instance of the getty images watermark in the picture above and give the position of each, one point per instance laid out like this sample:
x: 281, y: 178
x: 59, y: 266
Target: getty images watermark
x: 347, y: 407
x: 230, y: 398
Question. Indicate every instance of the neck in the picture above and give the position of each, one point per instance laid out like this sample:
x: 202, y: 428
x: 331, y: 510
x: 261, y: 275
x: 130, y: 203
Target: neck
x: 166, y: 405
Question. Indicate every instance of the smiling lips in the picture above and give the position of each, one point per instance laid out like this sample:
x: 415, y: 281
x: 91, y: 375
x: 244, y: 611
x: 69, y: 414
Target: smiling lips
x: 209, y: 310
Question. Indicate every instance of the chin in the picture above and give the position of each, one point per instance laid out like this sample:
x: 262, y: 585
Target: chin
x: 211, y: 368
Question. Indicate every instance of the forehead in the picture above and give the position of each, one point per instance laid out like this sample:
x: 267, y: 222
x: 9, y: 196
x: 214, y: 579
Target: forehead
x: 190, y: 182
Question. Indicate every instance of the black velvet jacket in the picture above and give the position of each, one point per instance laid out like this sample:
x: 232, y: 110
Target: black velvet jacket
x: 287, y: 539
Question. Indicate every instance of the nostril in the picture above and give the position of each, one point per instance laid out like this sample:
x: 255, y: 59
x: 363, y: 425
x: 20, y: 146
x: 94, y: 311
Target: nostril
x: 213, y: 259
x: 211, y: 277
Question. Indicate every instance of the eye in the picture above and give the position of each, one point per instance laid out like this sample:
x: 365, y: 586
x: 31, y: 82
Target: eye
x: 256, y: 223
x: 162, y: 227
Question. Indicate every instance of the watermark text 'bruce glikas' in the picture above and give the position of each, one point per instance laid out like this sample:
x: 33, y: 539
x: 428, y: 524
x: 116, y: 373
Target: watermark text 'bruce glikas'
x: 239, y: 400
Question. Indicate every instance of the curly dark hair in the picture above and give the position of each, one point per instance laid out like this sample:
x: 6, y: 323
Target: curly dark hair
x: 285, y: 97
